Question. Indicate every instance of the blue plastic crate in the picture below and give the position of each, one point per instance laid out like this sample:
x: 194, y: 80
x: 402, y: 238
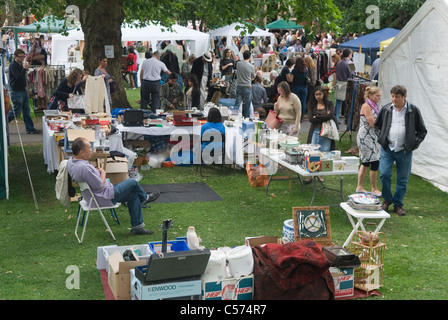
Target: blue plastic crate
x: 172, y: 245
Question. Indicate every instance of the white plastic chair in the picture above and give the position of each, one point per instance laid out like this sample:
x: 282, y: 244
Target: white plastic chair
x: 87, y: 207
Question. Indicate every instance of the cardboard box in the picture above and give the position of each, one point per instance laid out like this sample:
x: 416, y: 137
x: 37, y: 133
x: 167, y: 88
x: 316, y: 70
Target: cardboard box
x: 72, y: 134
x: 327, y: 165
x: 229, y: 289
x: 313, y: 164
x: 119, y: 275
x: 169, y: 290
x: 102, y: 253
x: 255, y: 241
x: 338, y: 165
x: 343, y: 281
x: 117, y: 170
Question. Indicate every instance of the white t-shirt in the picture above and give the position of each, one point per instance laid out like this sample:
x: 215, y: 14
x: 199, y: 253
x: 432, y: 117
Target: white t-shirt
x: 151, y: 69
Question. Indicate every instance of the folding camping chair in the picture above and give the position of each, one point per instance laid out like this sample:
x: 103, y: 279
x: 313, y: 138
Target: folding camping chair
x: 218, y: 154
x: 86, y: 207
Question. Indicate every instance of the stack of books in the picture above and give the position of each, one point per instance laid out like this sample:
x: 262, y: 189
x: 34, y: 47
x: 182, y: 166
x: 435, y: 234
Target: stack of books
x: 364, y: 202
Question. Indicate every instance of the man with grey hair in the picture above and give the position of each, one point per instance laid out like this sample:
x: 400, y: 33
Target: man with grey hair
x: 150, y: 81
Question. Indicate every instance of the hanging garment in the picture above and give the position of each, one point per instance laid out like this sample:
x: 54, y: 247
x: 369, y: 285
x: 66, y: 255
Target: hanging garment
x: 96, y: 99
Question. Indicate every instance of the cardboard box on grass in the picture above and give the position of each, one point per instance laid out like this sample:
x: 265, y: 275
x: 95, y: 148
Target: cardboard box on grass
x: 255, y: 241
x: 229, y: 289
x: 174, y: 290
x: 119, y: 276
x: 72, y: 134
x: 117, y: 169
x: 343, y: 281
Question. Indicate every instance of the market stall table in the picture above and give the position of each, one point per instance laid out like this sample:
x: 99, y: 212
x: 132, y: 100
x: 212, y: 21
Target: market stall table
x: 360, y: 215
x: 274, y: 156
x: 234, y: 140
x: 53, y: 154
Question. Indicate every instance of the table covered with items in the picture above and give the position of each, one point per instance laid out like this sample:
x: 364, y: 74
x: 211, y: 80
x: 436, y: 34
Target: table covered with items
x: 306, y: 160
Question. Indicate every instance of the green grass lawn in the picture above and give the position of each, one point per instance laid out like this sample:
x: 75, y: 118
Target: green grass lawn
x: 39, y: 246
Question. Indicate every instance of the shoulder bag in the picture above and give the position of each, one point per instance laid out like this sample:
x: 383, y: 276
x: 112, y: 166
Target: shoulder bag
x: 273, y: 121
x: 329, y: 130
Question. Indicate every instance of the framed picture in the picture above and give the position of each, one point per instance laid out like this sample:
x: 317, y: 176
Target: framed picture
x: 312, y: 223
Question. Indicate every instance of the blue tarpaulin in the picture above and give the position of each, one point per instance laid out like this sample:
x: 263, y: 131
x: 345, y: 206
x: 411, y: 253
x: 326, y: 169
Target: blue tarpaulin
x: 370, y: 43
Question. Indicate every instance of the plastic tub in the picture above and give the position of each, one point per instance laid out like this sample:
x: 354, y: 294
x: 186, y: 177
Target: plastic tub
x: 241, y: 261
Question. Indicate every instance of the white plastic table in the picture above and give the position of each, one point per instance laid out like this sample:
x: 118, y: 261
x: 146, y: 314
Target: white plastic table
x: 275, y: 157
x: 360, y: 215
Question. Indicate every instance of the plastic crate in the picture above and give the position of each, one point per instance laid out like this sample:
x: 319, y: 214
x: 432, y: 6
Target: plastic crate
x: 172, y: 245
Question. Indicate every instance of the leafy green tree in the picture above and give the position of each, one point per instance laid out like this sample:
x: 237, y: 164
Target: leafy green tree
x: 392, y: 14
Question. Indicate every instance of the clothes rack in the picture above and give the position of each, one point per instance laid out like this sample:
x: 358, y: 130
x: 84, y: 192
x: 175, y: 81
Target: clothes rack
x: 354, y: 100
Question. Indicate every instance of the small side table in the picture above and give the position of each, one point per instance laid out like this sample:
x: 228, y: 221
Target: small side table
x: 360, y: 216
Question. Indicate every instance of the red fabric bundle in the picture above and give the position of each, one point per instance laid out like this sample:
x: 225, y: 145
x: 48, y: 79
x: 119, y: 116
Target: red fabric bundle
x: 292, y: 271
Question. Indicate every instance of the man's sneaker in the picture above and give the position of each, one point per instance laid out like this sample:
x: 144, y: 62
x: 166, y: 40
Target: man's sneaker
x: 400, y: 211
x: 141, y: 231
x: 33, y: 132
x: 385, y: 205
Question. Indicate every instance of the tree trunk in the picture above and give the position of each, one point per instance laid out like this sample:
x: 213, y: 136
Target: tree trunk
x: 107, y: 16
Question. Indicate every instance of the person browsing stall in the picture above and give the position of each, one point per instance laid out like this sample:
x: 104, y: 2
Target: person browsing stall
x: 150, y: 77
x: 129, y: 191
x: 102, y: 71
x: 66, y: 89
x: 320, y: 110
x: 171, y: 96
x: 19, y: 94
x: 369, y: 151
x: 289, y: 109
x: 401, y: 131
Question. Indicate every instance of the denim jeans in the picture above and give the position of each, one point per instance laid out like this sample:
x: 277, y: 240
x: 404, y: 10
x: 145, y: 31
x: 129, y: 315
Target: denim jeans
x: 244, y: 94
x: 337, y: 109
x: 403, y: 163
x: 325, y: 143
x: 21, y: 103
x: 129, y: 191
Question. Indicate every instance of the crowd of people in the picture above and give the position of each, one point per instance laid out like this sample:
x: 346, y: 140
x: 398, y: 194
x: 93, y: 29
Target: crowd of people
x: 384, y: 137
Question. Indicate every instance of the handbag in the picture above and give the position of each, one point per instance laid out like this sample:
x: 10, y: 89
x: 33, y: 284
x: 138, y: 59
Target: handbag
x: 113, y: 86
x: 273, y: 121
x: 77, y: 102
x: 329, y: 130
x: 130, y: 62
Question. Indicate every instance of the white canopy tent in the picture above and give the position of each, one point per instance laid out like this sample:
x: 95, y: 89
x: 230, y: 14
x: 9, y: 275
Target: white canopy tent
x: 419, y: 63
x: 152, y: 33
x: 234, y: 30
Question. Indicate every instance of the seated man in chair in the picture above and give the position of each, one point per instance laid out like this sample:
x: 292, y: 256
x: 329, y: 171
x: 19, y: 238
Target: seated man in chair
x: 129, y: 191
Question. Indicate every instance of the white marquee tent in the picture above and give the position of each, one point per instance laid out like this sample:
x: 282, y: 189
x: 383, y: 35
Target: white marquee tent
x: 417, y: 59
x: 234, y: 30
x: 152, y: 33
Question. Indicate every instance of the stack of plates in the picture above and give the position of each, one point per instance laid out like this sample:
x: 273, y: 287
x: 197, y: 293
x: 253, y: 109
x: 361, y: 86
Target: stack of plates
x: 363, y: 201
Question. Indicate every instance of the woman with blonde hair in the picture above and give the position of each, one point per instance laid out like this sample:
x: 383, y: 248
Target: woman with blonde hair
x: 369, y: 151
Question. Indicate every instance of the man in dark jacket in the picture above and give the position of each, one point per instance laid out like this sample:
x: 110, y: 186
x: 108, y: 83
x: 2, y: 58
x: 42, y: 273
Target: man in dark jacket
x: 401, y: 130
x: 203, y: 70
x: 19, y: 95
